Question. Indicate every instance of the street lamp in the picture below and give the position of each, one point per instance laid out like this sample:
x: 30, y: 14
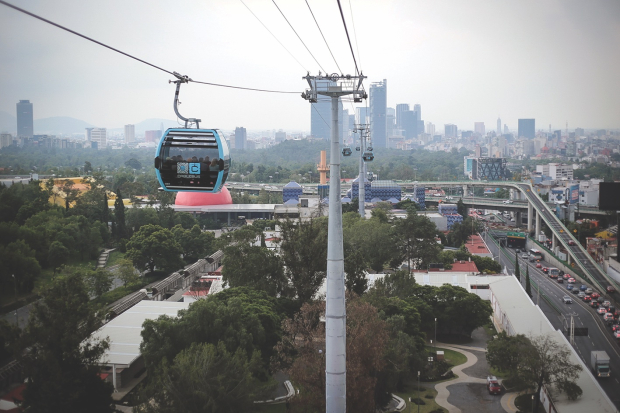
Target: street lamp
x: 15, y: 280
x: 418, y: 402
x: 435, y: 336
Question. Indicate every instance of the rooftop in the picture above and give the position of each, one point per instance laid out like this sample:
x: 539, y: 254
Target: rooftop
x: 475, y: 245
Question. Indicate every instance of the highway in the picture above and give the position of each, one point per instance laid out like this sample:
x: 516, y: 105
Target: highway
x: 559, y: 314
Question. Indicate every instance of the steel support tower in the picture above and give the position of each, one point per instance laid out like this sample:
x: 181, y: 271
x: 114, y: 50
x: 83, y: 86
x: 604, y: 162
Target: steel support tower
x: 335, y: 86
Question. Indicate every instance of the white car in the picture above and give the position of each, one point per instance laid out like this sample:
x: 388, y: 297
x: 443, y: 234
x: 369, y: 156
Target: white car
x: 508, y: 201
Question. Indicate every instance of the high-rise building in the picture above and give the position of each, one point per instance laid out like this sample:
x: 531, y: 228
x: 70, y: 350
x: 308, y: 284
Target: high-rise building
x: 6, y: 139
x: 321, y: 115
x: 400, y: 108
x: 241, y: 137
x: 25, y: 123
x: 499, y: 126
x: 430, y: 129
x: 130, y: 133
x: 506, y: 131
x: 280, y: 136
x: 479, y: 128
x: 391, y: 121
x: 527, y: 128
x: 98, y: 137
x: 450, y: 131
x: 409, y: 124
x: 579, y: 132
x: 378, y: 113
x: 417, y: 108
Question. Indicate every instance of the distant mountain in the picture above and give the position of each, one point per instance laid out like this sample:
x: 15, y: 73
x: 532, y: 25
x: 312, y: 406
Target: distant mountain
x: 60, y: 125
x: 155, y: 124
x: 8, y: 123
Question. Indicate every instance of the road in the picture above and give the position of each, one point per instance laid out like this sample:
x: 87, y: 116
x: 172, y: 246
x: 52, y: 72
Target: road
x: 559, y: 314
x: 576, y: 250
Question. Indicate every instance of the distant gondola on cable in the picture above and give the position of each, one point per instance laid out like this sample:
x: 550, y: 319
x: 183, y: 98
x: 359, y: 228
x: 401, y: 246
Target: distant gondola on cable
x: 368, y: 156
x: 346, y: 151
x: 196, y: 160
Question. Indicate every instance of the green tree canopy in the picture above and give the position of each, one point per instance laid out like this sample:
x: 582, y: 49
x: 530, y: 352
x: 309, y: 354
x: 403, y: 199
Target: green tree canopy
x: 153, y: 246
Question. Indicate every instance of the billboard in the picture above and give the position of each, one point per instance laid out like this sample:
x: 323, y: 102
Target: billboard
x: 608, y: 199
x: 574, y: 194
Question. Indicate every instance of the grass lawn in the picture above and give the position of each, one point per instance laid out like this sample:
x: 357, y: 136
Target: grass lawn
x: 426, y: 395
x: 271, y: 408
x: 454, y: 358
x: 114, y: 257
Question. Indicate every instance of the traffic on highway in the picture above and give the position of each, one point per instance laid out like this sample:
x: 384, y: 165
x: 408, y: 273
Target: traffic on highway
x: 564, y: 301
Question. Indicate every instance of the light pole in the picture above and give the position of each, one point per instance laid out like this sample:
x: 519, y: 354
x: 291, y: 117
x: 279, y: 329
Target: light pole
x: 435, y: 336
x: 418, y: 402
x: 15, y: 280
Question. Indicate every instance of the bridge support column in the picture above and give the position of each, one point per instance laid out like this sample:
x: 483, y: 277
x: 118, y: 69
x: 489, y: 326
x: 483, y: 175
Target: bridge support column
x: 554, y: 241
x: 518, y: 219
x: 537, y: 225
x: 464, y: 191
x: 530, y: 217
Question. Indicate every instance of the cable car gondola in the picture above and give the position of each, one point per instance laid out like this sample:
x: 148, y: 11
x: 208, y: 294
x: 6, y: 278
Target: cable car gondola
x: 357, y: 148
x: 192, y: 160
x: 369, y: 148
x: 187, y: 159
x: 368, y: 156
x: 346, y: 151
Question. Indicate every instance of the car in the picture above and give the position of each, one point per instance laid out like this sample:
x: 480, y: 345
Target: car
x: 587, y: 298
x: 508, y: 201
x: 524, y: 256
x: 581, y: 294
x: 561, y: 273
x: 567, y: 299
x: 589, y: 290
x: 566, y: 276
x: 615, y: 327
x: 600, y: 300
x: 518, y: 250
x: 583, y: 287
x: 575, y: 291
x: 493, y: 385
x: 545, y: 270
x: 601, y: 310
x: 560, y: 280
x: 611, y: 289
x: 594, y: 304
x: 616, y: 334
x: 571, y: 242
x: 608, y: 316
x: 606, y: 303
x: 569, y: 286
x: 595, y: 295
x: 538, y: 265
x: 572, y: 280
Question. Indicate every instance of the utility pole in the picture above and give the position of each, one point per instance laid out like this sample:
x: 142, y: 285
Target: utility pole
x: 335, y: 86
x: 364, y: 130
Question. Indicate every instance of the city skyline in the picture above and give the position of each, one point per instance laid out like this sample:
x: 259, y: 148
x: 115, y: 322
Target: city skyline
x: 556, y: 62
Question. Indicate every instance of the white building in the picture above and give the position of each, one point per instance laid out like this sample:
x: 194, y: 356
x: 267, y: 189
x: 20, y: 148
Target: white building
x: 130, y: 133
x: 556, y: 171
x: 99, y: 136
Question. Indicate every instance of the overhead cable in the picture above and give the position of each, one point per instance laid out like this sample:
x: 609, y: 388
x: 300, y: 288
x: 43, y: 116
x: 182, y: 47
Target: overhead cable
x: 130, y: 56
x: 357, y: 45
x: 274, y: 36
x: 348, y: 38
x: 299, y: 37
x: 321, y: 31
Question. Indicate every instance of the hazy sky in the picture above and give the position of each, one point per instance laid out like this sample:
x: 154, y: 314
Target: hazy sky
x: 463, y: 61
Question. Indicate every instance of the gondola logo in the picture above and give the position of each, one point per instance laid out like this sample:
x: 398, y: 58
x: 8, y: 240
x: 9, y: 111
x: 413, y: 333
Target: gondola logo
x: 182, y: 168
x: 194, y: 168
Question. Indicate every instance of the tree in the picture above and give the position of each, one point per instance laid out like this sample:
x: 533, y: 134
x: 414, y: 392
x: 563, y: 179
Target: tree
x: 460, y: 232
x: 119, y: 215
x: 207, y: 378
x: 71, y: 194
x: 98, y: 281
x: 126, y: 272
x: 535, y: 362
x: 58, y: 255
x: 367, y: 337
x: 460, y: 207
x: 528, y: 287
x: 61, y: 365
x: 517, y: 269
x: 303, y: 250
x: 153, y: 246
x: 417, y: 245
x: 195, y: 243
x: 253, y: 266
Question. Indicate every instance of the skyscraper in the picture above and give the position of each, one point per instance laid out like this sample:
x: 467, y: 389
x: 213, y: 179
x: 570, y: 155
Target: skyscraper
x: 378, y: 113
x: 391, y: 121
x: 25, y: 128
x: 430, y: 129
x: 479, y: 128
x: 451, y: 130
x: 409, y: 124
x: 417, y: 108
x: 241, y: 137
x: 130, y: 133
x: 499, y: 126
x: 400, y: 108
x: 527, y: 128
x: 321, y: 115
x: 361, y: 114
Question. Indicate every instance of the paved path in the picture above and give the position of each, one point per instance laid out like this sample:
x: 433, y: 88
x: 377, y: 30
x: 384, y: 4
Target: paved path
x: 470, y: 390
